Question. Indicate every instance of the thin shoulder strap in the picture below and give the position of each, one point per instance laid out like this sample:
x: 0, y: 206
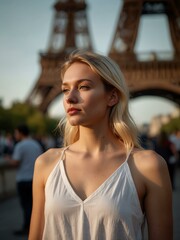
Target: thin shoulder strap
x: 62, y: 154
x: 129, y: 153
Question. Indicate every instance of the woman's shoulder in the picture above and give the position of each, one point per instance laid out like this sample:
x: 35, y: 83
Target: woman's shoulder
x: 49, y: 157
x: 147, y: 156
x: 148, y: 170
x: 46, y: 162
x: 148, y: 162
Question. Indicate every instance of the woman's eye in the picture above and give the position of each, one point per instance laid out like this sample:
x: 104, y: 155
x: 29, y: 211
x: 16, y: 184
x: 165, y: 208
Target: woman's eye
x: 65, y: 90
x: 83, y: 87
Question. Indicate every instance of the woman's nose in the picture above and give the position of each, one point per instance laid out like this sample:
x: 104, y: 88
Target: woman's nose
x: 71, y: 97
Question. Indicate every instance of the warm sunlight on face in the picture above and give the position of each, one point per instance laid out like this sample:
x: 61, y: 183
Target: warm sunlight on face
x: 85, y: 99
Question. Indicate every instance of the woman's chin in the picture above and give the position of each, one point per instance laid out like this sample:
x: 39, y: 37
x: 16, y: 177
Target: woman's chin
x: 74, y: 122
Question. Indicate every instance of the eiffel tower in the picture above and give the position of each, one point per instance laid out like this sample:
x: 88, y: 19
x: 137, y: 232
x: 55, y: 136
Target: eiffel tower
x: 155, y: 74
x: 70, y: 31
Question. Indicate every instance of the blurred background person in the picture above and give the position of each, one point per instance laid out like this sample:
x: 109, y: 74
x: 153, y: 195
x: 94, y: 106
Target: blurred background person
x: 175, y: 139
x: 26, y: 150
x: 168, y: 151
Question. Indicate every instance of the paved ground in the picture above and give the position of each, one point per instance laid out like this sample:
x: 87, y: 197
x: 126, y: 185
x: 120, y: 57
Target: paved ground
x: 10, y: 219
x: 11, y: 216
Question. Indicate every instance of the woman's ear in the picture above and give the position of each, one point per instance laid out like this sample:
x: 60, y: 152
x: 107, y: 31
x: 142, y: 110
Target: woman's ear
x: 113, y: 98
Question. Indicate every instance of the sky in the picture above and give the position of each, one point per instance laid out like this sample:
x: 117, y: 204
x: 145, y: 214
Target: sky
x: 25, y: 28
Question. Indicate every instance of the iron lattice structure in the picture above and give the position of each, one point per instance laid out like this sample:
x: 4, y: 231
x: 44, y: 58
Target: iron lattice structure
x: 69, y: 32
x: 153, y: 73
x: 156, y: 75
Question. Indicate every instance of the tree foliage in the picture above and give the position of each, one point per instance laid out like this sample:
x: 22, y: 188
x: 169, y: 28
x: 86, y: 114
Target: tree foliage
x: 39, y: 123
x: 171, y: 126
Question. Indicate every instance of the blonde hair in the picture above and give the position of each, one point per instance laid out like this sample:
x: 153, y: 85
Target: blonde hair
x: 121, y: 123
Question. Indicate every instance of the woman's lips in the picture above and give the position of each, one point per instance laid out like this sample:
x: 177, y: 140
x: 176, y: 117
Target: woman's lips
x: 72, y: 111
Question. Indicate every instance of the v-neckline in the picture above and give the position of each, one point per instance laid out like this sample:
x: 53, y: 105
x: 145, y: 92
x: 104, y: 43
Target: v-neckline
x: 99, y: 188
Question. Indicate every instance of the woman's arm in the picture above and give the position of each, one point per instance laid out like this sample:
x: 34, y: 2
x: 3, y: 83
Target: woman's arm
x: 37, y: 217
x: 158, y: 199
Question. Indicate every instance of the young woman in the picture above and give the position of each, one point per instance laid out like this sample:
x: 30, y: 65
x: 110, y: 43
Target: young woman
x: 101, y: 185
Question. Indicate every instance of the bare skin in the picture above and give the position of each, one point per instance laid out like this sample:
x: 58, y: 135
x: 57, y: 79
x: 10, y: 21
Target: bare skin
x: 98, y: 153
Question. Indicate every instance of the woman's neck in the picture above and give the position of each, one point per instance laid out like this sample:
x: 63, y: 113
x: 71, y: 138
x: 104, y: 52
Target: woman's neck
x: 97, y: 139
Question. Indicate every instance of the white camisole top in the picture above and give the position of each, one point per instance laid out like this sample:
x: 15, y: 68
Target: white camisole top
x: 112, y: 212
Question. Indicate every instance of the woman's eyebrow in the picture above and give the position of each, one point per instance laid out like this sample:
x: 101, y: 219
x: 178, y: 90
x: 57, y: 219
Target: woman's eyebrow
x: 78, y: 81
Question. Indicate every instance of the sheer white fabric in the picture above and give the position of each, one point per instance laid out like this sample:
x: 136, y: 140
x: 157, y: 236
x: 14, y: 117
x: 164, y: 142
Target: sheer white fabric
x: 112, y: 212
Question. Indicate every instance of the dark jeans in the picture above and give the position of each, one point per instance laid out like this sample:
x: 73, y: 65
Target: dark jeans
x: 24, y: 189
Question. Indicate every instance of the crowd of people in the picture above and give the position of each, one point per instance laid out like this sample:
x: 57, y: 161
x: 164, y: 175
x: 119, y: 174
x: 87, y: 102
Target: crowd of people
x: 8, y: 141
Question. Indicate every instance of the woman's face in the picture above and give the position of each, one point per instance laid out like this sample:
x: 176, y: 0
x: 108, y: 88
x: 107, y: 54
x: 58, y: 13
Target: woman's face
x: 85, y: 100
